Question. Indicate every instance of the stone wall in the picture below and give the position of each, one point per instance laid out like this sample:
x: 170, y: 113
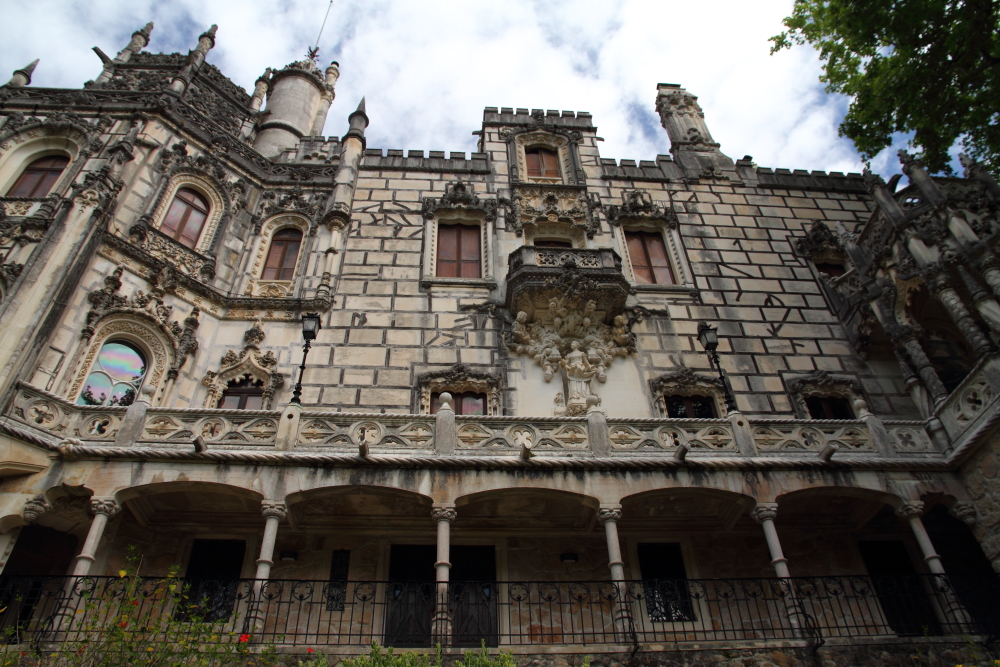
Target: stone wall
x: 979, y: 473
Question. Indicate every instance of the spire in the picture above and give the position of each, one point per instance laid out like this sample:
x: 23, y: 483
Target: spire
x: 22, y: 77
x: 210, y: 34
x: 358, y: 121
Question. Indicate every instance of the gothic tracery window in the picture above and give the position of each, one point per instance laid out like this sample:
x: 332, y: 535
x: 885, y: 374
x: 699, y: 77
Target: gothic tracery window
x: 282, y: 255
x: 38, y: 177
x: 116, y: 375
x: 186, y: 217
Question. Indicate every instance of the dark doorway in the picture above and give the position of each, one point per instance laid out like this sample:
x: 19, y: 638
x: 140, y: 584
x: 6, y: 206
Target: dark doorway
x: 900, y: 590
x: 412, y: 592
x: 32, y: 580
x: 970, y: 574
x: 212, y: 577
x: 664, y: 579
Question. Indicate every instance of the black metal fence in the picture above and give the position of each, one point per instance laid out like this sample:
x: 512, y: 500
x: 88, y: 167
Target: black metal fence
x: 914, y: 608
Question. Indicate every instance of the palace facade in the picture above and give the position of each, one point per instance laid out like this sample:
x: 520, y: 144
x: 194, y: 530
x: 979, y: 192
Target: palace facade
x: 529, y: 395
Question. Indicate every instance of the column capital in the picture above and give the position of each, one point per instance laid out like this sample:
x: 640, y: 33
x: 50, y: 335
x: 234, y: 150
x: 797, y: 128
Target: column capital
x: 272, y: 508
x: 612, y: 514
x: 34, y: 508
x: 106, y: 506
x: 910, y: 509
x: 446, y: 513
x: 764, y: 512
x: 964, y: 511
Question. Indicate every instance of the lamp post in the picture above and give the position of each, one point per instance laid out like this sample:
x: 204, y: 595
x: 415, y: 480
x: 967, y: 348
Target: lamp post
x: 708, y: 336
x: 310, y: 327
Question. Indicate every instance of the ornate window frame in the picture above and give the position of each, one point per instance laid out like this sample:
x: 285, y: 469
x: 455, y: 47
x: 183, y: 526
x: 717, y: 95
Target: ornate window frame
x: 460, y: 378
x: 256, y: 286
x: 685, y: 382
x: 460, y: 205
x: 22, y: 148
x: 204, y: 186
x: 822, y: 384
x: 137, y: 331
x: 639, y: 212
x: 248, y: 361
x: 557, y: 144
x: 555, y: 230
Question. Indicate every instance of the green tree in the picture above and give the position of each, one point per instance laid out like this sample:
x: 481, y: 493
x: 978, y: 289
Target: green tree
x: 930, y: 67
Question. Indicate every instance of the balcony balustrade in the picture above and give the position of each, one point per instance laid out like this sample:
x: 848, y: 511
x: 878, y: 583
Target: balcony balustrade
x: 669, y: 614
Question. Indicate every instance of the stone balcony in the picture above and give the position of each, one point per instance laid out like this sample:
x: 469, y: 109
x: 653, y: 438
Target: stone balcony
x: 537, y: 275
x: 405, y: 440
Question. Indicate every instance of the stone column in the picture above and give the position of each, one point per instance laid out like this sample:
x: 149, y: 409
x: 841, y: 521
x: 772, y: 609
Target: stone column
x: 274, y: 512
x: 104, y: 510
x: 338, y: 214
x: 610, y: 515
x: 444, y: 514
x: 924, y: 368
x: 765, y: 514
x: 329, y: 82
x: 954, y: 612
x: 139, y: 41
x: 941, y: 287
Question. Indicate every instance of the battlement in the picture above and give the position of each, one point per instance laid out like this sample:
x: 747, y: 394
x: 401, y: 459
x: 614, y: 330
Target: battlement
x: 811, y: 180
x: 435, y: 161
x: 512, y: 116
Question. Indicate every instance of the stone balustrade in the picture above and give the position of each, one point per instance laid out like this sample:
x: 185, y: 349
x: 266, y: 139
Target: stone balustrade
x: 54, y: 419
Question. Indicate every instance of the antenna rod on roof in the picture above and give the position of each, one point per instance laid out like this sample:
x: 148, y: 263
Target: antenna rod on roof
x: 328, y: 8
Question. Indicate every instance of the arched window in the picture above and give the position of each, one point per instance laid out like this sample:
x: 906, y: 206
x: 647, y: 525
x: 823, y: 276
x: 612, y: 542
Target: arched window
x: 541, y: 163
x: 186, y: 217
x: 243, y: 394
x: 281, y: 258
x: 39, y: 177
x: 116, y: 376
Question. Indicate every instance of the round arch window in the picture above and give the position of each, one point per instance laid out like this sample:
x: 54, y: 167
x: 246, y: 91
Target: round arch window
x: 38, y: 177
x: 116, y: 376
x: 186, y: 217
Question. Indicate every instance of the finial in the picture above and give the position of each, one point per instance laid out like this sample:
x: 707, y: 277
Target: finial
x: 361, y: 106
x: 144, y: 31
x: 22, y: 77
x: 210, y: 33
x: 312, y: 53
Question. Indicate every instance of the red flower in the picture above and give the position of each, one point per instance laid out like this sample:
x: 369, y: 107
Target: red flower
x: 135, y: 603
x: 123, y: 623
x: 309, y: 650
x: 24, y: 653
x: 244, y: 638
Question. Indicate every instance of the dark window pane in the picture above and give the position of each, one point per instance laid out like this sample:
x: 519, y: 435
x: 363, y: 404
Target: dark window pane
x: 829, y: 407
x: 832, y: 270
x: 703, y: 408
x: 690, y: 407
x: 470, y: 252
x: 229, y: 402
x: 282, y: 255
x: 640, y: 262
x: 551, y: 244
x: 185, y: 217
x: 463, y: 403
x: 665, y: 582
x: 243, y: 394
x: 39, y: 177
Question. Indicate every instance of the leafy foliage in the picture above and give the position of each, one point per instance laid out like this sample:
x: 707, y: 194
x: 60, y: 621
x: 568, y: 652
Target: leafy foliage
x: 931, y: 67
x: 138, y: 623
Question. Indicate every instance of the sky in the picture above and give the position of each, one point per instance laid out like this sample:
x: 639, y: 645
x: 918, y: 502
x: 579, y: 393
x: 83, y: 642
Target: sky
x: 428, y: 68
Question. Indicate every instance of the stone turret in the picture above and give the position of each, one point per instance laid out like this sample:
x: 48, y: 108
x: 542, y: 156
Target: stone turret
x: 297, y: 104
x: 22, y: 77
x: 338, y: 215
x: 691, y: 143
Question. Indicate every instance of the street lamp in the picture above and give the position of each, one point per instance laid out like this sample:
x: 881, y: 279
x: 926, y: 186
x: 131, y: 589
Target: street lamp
x: 708, y: 336
x: 310, y: 327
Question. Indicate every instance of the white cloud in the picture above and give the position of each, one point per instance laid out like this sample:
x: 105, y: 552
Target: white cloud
x: 428, y: 68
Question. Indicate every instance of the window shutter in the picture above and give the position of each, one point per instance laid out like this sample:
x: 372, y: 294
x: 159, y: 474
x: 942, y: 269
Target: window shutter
x: 447, y: 264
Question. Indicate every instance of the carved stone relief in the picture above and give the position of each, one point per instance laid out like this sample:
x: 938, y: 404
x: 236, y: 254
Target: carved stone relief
x: 535, y: 205
x: 685, y: 382
x: 822, y: 384
x: 250, y: 361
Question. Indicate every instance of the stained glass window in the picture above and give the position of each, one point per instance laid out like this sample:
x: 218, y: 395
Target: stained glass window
x: 116, y: 376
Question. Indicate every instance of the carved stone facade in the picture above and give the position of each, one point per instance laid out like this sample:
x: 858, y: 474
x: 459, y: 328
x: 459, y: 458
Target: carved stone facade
x: 576, y: 473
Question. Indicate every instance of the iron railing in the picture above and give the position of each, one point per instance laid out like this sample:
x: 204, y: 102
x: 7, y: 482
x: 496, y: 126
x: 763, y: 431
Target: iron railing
x: 672, y: 613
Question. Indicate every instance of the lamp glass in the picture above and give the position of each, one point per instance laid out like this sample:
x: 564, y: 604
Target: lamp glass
x: 310, y: 326
x: 708, y: 336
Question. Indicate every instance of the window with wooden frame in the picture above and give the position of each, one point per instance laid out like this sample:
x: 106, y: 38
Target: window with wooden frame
x: 282, y: 255
x: 690, y: 407
x: 243, y: 394
x: 829, y: 407
x: 38, y: 177
x: 186, y: 217
x: 650, y: 262
x: 459, y: 251
x: 464, y: 403
x: 541, y: 163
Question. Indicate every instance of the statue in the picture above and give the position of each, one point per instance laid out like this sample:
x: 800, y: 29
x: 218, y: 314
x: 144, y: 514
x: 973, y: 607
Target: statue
x: 580, y: 372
